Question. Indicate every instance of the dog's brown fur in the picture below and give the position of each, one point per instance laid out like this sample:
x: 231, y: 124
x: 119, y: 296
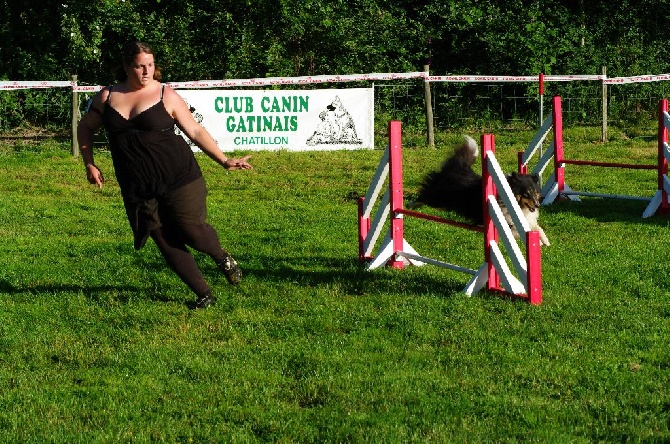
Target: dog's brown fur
x: 456, y: 187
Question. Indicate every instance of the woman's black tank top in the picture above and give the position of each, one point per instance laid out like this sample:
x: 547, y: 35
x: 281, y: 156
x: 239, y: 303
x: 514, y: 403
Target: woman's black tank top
x: 149, y: 159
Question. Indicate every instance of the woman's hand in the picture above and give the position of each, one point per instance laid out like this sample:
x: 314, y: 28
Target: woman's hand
x: 238, y: 164
x: 94, y: 175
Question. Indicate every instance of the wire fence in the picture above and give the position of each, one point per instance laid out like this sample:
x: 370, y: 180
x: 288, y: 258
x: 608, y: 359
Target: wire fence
x: 35, y: 111
x: 631, y: 107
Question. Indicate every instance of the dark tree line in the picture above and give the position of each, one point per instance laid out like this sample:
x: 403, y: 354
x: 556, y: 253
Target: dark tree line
x: 214, y: 39
x: 201, y: 39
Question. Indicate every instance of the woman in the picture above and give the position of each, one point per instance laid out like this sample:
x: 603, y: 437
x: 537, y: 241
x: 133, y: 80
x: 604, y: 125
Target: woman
x: 161, y: 183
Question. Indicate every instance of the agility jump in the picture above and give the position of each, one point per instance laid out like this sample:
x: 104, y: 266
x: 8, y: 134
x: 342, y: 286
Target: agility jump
x: 556, y: 188
x: 495, y: 273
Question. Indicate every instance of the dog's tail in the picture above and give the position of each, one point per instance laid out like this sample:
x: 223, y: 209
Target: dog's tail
x: 471, y: 144
x: 468, y: 151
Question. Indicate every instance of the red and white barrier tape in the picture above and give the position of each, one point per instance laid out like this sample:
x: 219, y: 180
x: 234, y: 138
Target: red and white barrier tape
x: 306, y: 80
x: 87, y: 88
x: 4, y: 84
x: 636, y: 79
x: 271, y: 81
x: 498, y: 79
x: 310, y: 80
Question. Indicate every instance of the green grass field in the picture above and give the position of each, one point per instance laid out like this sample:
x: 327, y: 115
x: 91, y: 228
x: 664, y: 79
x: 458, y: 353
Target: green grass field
x: 98, y: 344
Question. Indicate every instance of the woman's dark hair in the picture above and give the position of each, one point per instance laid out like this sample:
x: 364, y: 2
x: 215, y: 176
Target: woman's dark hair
x: 129, y: 53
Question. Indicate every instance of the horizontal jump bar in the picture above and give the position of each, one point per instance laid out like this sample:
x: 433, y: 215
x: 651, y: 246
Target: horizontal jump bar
x: 610, y: 164
x: 613, y: 196
x: 428, y: 260
x: 440, y: 220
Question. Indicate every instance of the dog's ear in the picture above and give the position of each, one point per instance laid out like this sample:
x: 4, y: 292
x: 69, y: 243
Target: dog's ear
x: 513, y: 178
x: 536, y: 178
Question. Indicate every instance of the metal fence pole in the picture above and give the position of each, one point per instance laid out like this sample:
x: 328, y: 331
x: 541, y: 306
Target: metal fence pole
x: 75, y: 117
x: 604, y: 131
x: 541, y: 85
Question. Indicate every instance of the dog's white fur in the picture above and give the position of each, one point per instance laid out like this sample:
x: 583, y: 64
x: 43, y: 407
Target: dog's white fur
x: 533, y: 221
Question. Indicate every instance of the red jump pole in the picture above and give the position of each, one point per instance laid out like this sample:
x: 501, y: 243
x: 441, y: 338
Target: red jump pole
x: 557, y: 123
x: 396, y: 194
x: 522, y: 169
x: 490, y: 232
x: 662, y: 161
x: 363, y: 230
x: 534, y: 264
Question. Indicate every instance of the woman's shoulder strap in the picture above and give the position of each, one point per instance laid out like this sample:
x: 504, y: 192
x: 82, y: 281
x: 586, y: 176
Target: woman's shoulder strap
x: 109, y: 93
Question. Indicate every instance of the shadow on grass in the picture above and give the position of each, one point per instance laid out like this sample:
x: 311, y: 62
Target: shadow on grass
x: 121, y: 293
x: 352, y: 277
x: 608, y: 210
x: 348, y: 275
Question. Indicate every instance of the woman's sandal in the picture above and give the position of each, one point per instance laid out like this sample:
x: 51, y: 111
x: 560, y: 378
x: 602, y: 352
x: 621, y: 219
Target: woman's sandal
x: 205, y: 300
x: 230, y: 269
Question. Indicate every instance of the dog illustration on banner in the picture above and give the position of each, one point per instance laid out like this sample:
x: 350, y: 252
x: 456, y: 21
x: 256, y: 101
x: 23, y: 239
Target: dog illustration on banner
x: 336, y: 127
x: 198, y: 118
x: 456, y: 187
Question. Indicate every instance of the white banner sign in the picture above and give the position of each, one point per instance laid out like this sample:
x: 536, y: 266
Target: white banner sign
x: 326, y: 119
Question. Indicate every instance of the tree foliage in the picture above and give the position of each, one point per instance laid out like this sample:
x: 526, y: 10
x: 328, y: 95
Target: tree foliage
x: 210, y: 39
x: 201, y: 39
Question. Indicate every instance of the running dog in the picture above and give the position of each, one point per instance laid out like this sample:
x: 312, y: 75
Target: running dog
x: 456, y: 187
